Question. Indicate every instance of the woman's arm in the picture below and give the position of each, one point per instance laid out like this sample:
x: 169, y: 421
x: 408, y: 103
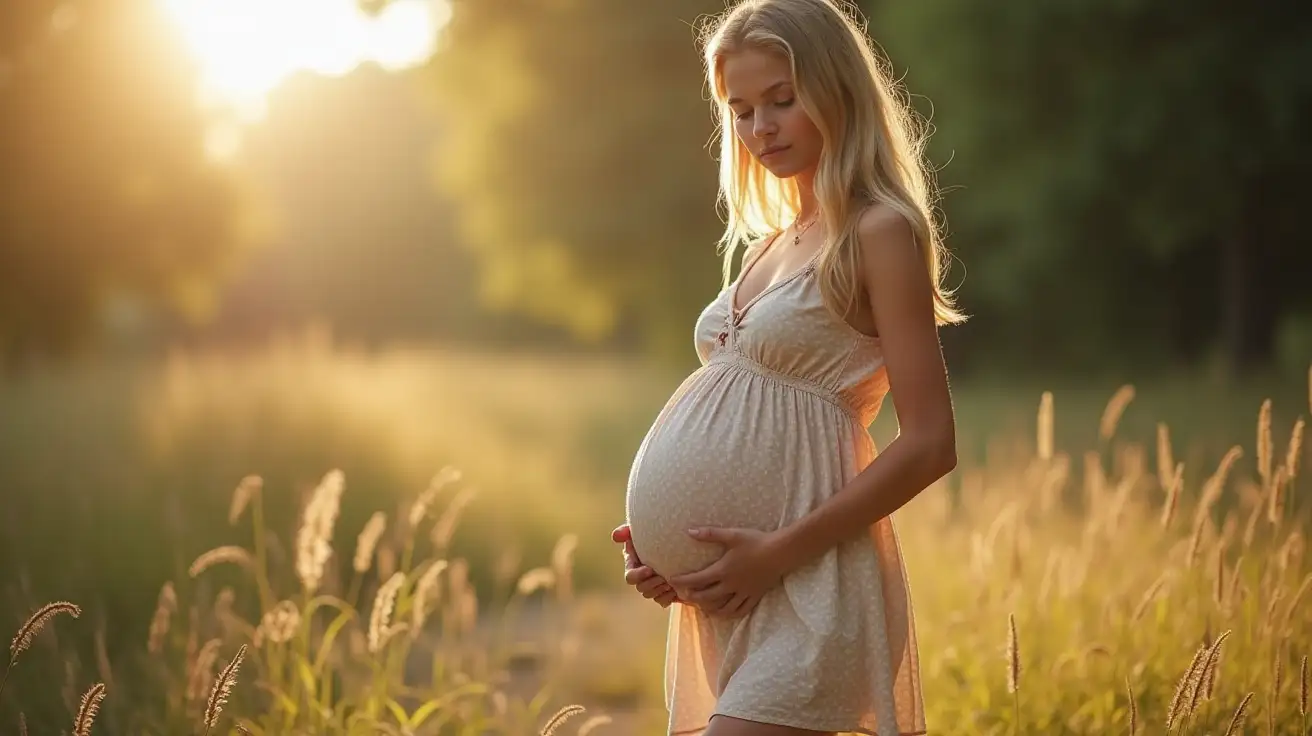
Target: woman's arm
x: 901, y: 299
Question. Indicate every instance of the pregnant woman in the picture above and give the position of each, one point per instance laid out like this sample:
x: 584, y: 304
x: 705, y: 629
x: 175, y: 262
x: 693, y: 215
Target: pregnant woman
x: 756, y: 506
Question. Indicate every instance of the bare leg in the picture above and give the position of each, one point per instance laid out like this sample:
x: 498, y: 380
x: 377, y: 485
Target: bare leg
x: 726, y: 726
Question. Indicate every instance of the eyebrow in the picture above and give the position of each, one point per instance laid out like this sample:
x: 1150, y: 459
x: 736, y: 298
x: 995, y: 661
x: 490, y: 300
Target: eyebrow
x: 768, y: 90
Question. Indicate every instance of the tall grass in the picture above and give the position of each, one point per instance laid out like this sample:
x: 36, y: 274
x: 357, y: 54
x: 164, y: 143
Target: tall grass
x: 1123, y: 564
x: 414, y: 658
x: 1127, y: 592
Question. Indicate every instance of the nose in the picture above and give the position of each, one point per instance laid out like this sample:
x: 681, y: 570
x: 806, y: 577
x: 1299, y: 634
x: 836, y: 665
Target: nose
x: 763, y: 124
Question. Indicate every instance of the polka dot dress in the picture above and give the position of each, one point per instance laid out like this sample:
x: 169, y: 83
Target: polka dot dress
x: 774, y: 421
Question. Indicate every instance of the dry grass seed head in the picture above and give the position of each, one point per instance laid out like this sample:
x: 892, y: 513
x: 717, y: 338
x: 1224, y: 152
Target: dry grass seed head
x: 86, y: 713
x: 1198, y: 686
x: 1165, y: 458
x: 560, y: 717
x: 1295, y: 450
x: 223, y: 689
x: 279, y: 624
x: 419, y: 509
x: 562, y: 563
x: 1237, y: 721
x: 367, y: 542
x: 1149, y: 595
x: 445, y: 528
x: 37, y: 622
x: 1302, y: 686
x: 1111, y: 415
x: 427, y: 591
x: 242, y: 495
x: 380, y: 618
x: 593, y: 723
x: 1044, y: 439
x: 1275, y: 512
x: 165, y: 607
x: 198, y: 680
x: 227, y: 554
x: 1264, y: 442
x: 1173, y: 496
x: 1134, y: 707
x: 1214, y: 486
x: 315, y: 535
x: 1013, y: 655
x: 1180, y: 699
x: 539, y: 578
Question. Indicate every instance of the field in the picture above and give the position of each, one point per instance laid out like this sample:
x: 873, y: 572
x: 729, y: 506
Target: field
x: 1088, y: 546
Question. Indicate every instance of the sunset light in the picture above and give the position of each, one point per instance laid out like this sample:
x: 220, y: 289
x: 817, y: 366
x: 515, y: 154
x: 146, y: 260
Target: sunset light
x: 247, y: 47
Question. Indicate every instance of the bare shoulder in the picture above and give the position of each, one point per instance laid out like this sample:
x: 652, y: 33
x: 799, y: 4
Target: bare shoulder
x: 883, y: 233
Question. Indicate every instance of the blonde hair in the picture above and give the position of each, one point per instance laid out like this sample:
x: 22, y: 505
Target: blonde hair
x: 873, y: 143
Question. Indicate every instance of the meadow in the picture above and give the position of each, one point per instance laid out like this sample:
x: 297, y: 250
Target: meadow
x: 312, y: 539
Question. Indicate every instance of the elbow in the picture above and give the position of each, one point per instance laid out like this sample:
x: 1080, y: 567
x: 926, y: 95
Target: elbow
x: 950, y: 456
x: 941, y: 454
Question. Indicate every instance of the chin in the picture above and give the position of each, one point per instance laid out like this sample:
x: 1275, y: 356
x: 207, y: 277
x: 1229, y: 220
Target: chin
x: 782, y: 169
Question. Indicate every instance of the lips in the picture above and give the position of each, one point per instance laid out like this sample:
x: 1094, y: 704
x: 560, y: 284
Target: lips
x: 770, y: 150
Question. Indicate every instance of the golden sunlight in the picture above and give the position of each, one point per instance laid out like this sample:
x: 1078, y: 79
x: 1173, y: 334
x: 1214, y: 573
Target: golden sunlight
x: 246, y: 48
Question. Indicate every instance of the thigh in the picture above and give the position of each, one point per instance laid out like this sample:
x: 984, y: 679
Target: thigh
x: 726, y: 726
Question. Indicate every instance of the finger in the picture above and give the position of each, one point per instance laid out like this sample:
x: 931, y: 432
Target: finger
x: 636, y: 575
x: 652, y: 587
x: 737, y: 605
x: 631, y: 558
x: 667, y: 598
x: 699, y: 579
x: 622, y: 533
x: 714, y: 534
x: 719, y: 606
x: 714, y: 594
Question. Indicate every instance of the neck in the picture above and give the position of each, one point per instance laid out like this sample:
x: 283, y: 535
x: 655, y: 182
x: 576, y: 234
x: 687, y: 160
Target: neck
x: 810, y: 206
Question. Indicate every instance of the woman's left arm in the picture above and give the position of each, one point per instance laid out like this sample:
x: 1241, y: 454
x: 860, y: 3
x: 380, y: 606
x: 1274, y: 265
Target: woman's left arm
x: 902, y: 300
x: 901, y: 297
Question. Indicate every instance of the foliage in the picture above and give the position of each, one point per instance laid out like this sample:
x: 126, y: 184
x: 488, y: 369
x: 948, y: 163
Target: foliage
x: 575, y: 146
x: 1131, y: 164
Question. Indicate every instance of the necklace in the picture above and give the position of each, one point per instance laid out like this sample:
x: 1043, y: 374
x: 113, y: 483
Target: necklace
x: 797, y: 237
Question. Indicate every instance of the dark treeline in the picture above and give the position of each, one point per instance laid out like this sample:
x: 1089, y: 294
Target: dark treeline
x: 1122, y: 182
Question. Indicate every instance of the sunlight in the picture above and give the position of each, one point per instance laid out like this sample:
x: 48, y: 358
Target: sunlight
x: 246, y: 48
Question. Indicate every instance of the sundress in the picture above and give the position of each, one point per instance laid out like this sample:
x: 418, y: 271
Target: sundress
x: 773, y: 421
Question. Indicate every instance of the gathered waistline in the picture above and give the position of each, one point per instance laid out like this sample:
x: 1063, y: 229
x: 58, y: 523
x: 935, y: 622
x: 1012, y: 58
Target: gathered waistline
x: 738, y: 360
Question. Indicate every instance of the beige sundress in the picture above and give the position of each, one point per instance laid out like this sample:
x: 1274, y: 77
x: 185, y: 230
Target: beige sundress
x: 774, y: 421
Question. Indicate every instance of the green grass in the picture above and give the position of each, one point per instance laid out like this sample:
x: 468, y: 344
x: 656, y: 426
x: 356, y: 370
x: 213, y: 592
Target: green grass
x: 118, y: 476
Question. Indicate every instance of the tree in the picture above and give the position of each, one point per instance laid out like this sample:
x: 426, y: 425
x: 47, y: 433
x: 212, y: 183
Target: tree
x: 1128, y: 167
x: 576, y: 152
x: 105, y: 191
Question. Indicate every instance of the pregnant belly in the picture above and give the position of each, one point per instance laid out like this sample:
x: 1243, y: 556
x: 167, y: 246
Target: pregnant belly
x: 704, y: 464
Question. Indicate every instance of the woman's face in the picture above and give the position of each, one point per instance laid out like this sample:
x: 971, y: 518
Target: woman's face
x: 767, y: 117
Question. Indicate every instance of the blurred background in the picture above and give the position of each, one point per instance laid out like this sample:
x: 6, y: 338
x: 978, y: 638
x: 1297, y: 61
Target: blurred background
x: 278, y: 237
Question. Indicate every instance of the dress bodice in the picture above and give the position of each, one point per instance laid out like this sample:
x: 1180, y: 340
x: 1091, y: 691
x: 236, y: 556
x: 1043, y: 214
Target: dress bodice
x: 787, y: 330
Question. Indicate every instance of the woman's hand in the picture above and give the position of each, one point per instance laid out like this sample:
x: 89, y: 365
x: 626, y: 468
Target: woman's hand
x: 730, y: 587
x: 640, y: 576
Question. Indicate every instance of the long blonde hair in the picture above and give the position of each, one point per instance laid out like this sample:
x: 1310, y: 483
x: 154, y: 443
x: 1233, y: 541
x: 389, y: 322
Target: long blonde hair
x: 873, y: 143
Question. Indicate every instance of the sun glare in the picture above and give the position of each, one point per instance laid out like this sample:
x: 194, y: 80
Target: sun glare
x: 246, y: 48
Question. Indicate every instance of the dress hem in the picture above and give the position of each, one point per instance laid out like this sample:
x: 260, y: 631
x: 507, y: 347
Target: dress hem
x: 790, y: 723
